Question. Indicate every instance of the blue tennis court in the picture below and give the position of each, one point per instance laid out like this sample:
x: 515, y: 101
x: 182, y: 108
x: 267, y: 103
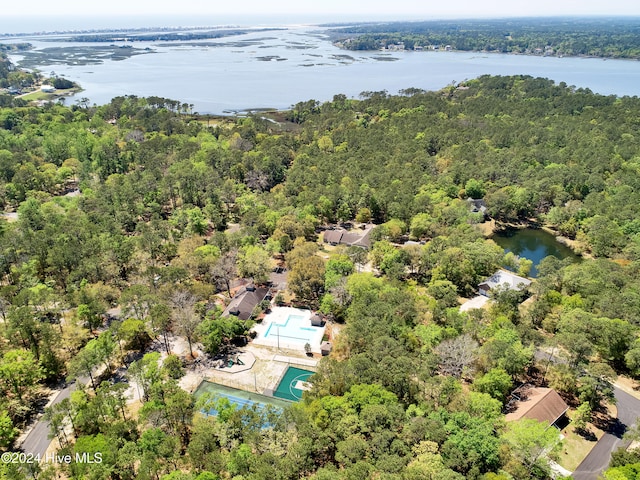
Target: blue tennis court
x: 239, y: 398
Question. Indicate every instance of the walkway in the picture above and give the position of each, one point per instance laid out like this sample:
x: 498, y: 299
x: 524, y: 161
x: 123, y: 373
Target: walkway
x: 307, y: 362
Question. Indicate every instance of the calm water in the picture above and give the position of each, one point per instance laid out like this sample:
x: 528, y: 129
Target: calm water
x: 533, y: 244
x: 277, y: 69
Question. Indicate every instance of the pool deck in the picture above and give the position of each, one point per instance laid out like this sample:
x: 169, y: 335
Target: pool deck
x: 289, y: 337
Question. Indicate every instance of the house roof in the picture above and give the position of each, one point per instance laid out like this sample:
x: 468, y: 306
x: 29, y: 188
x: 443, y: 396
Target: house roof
x: 537, y: 403
x: 358, y: 238
x: 243, y: 304
x: 477, y: 205
x: 333, y: 236
x: 409, y: 243
x: 365, y: 238
x: 508, y: 279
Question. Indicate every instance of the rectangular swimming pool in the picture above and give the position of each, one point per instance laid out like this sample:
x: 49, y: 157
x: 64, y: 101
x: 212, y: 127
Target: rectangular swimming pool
x: 289, y: 328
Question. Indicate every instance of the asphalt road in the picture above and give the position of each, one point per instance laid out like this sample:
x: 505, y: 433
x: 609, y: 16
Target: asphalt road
x: 598, y: 459
x: 37, y: 441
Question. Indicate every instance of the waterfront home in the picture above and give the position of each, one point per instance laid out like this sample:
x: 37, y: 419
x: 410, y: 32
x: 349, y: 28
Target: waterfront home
x: 504, y: 279
x: 477, y: 205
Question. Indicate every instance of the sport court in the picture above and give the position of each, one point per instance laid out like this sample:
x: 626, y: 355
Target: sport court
x: 239, y: 398
x: 293, y: 383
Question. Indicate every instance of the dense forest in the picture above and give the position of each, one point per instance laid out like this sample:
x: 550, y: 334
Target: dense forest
x: 12, y: 77
x: 415, y: 389
x: 609, y: 38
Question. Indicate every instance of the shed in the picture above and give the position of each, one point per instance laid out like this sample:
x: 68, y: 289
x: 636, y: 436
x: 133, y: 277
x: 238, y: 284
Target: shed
x: 317, y: 320
x: 325, y: 348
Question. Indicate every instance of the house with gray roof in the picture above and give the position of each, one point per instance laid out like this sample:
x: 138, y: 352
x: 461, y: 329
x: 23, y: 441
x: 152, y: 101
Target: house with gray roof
x: 352, y: 238
x: 245, y: 301
x: 478, y: 205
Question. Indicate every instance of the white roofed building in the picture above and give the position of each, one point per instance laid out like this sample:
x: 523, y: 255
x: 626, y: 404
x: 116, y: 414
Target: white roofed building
x: 504, y: 279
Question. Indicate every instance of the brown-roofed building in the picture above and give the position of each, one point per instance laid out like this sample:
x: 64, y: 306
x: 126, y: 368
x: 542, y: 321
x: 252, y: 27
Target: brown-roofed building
x: 537, y: 403
x: 333, y: 236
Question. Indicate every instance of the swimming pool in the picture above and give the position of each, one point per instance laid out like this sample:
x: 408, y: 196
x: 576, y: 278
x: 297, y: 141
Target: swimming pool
x: 289, y: 328
x: 292, y: 328
x: 293, y: 383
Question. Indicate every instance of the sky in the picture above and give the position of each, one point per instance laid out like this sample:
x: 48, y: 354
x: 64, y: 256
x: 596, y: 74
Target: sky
x: 35, y: 15
x: 420, y: 8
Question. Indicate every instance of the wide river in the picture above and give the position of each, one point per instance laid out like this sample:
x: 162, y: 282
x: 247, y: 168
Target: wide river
x: 277, y: 69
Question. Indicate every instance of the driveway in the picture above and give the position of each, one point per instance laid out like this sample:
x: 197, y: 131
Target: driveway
x: 38, y: 441
x: 598, y: 459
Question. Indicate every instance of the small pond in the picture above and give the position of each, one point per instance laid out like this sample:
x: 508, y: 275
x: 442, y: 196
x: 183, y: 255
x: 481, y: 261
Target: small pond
x: 533, y: 244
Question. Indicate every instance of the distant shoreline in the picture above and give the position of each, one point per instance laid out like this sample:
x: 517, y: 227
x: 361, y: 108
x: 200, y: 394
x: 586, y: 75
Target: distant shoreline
x: 171, y: 34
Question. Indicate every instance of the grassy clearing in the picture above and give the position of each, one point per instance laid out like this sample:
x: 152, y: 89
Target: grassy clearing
x: 37, y: 95
x: 575, y: 447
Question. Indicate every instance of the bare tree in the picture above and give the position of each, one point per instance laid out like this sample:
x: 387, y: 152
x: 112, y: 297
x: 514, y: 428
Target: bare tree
x: 185, y: 318
x: 224, y: 271
x: 340, y: 292
x: 257, y: 180
x: 456, y: 354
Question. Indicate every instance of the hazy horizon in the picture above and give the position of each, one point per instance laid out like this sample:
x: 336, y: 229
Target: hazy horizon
x: 64, y: 23
x: 338, y: 8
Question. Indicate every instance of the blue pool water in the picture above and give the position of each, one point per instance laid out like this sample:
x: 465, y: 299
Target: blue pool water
x: 290, y: 329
